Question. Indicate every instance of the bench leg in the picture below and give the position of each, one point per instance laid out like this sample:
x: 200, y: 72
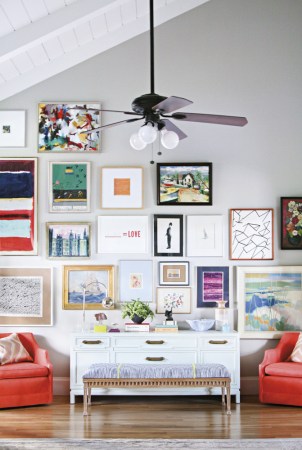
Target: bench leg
x: 223, y: 395
x: 228, y: 390
x: 85, y: 400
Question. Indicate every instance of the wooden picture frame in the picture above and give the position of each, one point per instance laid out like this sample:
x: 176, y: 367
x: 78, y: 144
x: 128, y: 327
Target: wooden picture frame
x: 62, y: 127
x: 184, y: 184
x: 26, y: 296
x: 12, y: 128
x: 212, y: 286
x: 174, y: 273
x: 252, y: 234
x: 205, y: 235
x: 176, y: 298
x: 168, y: 235
x: 268, y: 300
x: 75, y: 277
x: 291, y: 223
x: 136, y: 280
x: 68, y: 240
x: 18, y: 211
x: 69, y: 187
x: 122, y: 187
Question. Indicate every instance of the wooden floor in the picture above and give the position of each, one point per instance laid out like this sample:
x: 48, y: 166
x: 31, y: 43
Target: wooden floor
x: 152, y: 417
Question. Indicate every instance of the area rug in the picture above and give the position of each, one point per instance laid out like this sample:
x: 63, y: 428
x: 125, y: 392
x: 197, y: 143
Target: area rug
x: 142, y: 444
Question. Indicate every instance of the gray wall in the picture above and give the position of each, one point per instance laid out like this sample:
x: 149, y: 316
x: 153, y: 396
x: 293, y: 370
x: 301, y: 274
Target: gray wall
x: 233, y: 57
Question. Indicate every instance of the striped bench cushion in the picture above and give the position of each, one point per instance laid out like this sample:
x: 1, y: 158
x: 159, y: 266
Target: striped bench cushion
x: 109, y: 370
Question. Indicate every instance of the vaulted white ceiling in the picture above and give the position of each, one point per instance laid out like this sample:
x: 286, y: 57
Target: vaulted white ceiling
x: 41, y: 38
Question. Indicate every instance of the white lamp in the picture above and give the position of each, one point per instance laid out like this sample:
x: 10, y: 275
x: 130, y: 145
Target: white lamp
x: 136, y: 142
x: 148, y: 133
x: 169, y: 139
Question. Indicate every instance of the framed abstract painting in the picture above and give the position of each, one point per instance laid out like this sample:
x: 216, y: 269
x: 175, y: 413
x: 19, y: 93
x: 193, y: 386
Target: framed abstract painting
x: 252, y: 234
x: 69, y: 187
x: 212, y: 286
x: 18, y: 206
x: 63, y: 127
x: 184, y: 184
x: 269, y: 301
x: 291, y: 223
x: 122, y: 187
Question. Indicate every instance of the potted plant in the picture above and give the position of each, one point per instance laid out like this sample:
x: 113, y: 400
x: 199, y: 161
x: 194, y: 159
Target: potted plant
x: 137, y: 311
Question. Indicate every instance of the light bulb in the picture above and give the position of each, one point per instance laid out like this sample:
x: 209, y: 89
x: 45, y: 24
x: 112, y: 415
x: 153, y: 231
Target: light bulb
x: 148, y: 133
x: 169, y: 139
x: 136, y: 142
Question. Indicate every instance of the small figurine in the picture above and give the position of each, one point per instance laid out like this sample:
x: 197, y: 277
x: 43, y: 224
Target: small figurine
x: 168, y: 315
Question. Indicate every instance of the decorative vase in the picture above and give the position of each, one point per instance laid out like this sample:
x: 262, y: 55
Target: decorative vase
x: 137, y: 319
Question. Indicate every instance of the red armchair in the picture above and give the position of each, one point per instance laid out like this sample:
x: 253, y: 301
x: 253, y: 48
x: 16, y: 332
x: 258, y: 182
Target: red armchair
x: 280, y: 380
x: 27, y: 383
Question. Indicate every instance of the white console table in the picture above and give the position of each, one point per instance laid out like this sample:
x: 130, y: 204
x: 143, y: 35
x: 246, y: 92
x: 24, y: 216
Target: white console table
x: 162, y: 348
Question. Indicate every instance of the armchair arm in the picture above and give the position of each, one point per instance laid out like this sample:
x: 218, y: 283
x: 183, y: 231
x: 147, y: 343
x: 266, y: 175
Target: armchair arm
x: 280, y: 353
x: 42, y: 358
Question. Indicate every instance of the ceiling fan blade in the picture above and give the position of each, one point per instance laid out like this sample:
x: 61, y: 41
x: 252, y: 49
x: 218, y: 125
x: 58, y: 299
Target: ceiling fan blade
x: 171, y: 127
x: 106, y: 110
x: 171, y: 104
x: 109, y: 125
x: 211, y: 118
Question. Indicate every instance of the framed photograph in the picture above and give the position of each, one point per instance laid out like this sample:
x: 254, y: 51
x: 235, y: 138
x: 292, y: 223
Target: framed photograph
x: 68, y: 240
x: 204, y: 235
x: 269, y: 301
x: 98, y: 282
x: 168, y: 235
x: 18, y: 206
x: 252, y: 234
x: 136, y: 280
x: 69, y: 187
x: 176, y: 298
x: 123, y: 234
x: 122, y: 187
x: 184, y: 184
x: 174, y: 273
x: 25, y: 296
x: 291, y: 223
x: 212, y: 286
x: 12, y: 128
x: 62, y: 127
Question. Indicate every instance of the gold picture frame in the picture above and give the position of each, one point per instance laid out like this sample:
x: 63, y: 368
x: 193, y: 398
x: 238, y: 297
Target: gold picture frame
x: 98, y: 282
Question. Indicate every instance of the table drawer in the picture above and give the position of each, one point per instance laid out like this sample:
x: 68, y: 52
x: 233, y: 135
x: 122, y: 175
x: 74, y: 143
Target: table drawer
x: 216, y: 343
x: 91, y: 342
x: 152, y: 357
x: 156, y: 342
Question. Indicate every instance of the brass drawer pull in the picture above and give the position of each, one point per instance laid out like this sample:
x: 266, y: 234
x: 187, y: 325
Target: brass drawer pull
x: 92, y: 342
x: 155, y: 342
x: 218, y: 342
x: 155, y: 358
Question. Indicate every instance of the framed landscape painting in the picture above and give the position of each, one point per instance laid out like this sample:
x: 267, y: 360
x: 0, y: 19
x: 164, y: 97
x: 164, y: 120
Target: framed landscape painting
x: 69, y: 187
x: 269, y: 300
x: 212, y: 286
x: 168, y: 235
x: 136, y: 280
x: 184, y: 184
x: 122, y: 187
x: 291, y: 223
x: 252, y: 234
x: 18, y: 206
x: 65, y: 127
x: 70, y: 240
x: 25, y: 296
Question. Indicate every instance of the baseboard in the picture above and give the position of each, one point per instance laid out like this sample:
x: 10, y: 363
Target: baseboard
x: 249, y: 386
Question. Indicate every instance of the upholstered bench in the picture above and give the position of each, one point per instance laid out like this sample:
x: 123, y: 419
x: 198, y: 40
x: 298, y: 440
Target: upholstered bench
x: 108, y: 375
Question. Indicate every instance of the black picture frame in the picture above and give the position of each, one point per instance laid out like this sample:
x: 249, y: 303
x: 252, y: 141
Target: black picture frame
x: 291, y: 229
x: 166, y: 241
x: 184, y: 184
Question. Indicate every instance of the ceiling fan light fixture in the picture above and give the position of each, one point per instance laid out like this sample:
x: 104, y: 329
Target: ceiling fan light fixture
x: 136, y: 142
x: 148, y: 133
x: 169, y: 139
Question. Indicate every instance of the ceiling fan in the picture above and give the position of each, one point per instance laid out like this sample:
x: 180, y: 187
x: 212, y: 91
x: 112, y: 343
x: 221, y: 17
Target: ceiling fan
x: 157, y: 110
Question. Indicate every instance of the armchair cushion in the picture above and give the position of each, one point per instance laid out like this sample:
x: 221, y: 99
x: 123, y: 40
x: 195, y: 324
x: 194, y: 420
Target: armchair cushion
x: 12, y: 350
x: 23, y: 370
x: 296, y: 355
x: 284, y: 369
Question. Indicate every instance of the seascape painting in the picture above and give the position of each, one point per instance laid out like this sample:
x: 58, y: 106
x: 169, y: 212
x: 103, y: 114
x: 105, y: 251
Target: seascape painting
x: 65, y: 127
x: 272, y: 300
x: 184, y: 183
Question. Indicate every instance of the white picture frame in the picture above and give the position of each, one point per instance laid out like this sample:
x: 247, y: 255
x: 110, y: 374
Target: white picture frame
x: 122, y: 187
x: 123, y: 234
x: 135, y: 280
x: 205, y: 235
x: 12, y: 128
x: 176, y: 298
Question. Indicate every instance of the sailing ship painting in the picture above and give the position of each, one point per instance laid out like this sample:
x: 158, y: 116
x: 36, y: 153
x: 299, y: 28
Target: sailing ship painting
x: 273, y: 301
x: 184, y: 183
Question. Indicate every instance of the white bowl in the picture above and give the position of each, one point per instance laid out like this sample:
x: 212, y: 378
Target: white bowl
x: 201, y: 324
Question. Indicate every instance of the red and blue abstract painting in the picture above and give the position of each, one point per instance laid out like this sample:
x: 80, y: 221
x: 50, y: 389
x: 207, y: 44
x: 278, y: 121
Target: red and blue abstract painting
x: 18, y: 181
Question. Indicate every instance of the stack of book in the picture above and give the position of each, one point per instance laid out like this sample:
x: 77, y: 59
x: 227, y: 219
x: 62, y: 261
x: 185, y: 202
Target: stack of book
x: 131, y: 326
x: 167, y: 327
